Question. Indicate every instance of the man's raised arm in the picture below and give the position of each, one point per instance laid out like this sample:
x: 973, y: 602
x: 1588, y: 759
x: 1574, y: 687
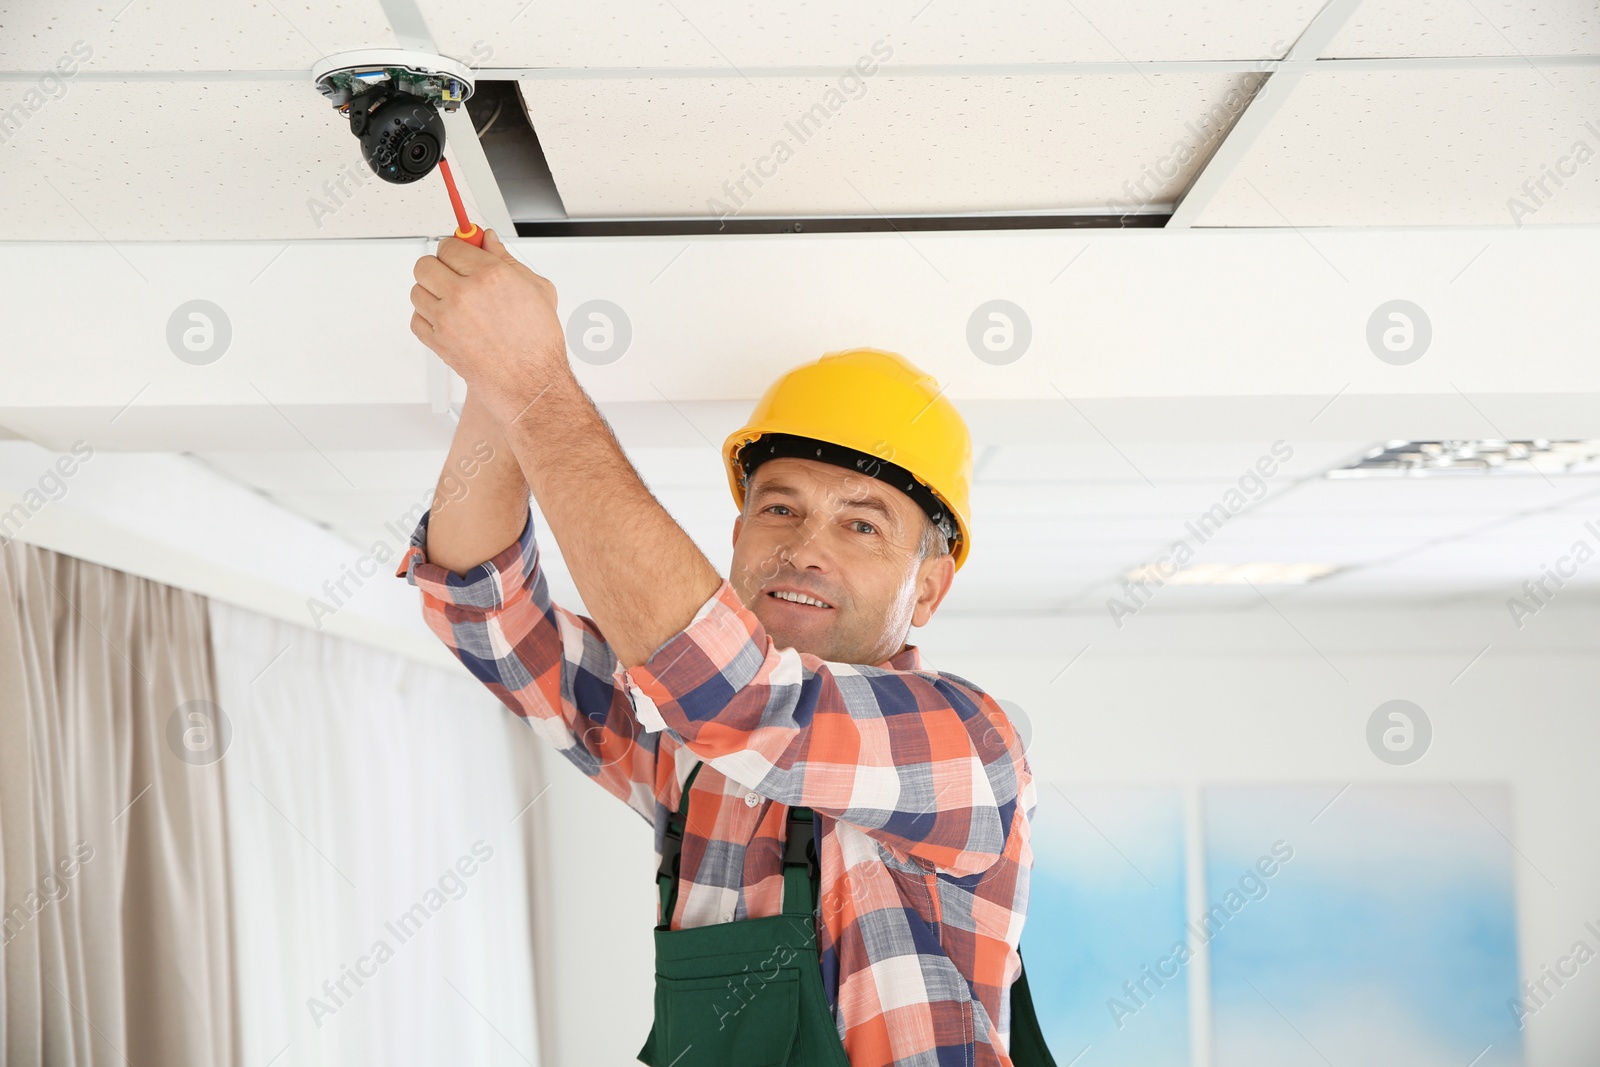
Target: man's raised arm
x: 479, y: 513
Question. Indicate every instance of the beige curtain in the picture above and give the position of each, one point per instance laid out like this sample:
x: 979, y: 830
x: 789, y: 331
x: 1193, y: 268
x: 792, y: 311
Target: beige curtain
x: 114, y: 884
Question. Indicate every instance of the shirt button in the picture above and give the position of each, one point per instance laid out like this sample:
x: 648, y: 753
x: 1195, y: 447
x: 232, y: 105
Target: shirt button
x: 752, y: 799
x: 727, y: 916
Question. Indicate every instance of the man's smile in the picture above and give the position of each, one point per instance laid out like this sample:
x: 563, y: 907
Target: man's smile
x: 798, y: 599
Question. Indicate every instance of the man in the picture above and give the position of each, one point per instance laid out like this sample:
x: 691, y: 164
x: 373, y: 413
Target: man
x: 843, y: 830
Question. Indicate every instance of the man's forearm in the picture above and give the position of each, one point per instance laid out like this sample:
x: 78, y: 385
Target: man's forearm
x: 482, y: 499
x: 641, y: 577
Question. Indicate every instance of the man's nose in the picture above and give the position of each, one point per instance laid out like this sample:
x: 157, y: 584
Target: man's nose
x: 809, y: 548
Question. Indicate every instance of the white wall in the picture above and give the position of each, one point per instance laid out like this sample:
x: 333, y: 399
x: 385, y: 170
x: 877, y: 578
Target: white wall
x: 598, y: 906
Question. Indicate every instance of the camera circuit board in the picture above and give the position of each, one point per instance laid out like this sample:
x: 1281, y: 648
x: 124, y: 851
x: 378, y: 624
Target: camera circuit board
x: 341, y: 86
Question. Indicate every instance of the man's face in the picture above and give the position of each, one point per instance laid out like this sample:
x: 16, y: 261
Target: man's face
x: 843, y: 538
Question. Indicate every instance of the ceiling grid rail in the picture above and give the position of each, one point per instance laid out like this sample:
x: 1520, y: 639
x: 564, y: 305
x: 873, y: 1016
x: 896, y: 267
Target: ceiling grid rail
x: 1259, y: 112
x: 1291, y: 64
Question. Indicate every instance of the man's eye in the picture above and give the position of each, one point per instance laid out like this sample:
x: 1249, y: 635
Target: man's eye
x: 783, y: 506
x: 863, y: 522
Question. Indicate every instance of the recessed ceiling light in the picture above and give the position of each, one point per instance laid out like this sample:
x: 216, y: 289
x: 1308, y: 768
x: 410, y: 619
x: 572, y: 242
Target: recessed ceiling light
x: 1420, y: 459
x: 1234, y: 574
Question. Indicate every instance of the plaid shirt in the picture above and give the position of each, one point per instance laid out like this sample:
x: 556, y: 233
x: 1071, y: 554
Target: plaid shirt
x: 916, y: 776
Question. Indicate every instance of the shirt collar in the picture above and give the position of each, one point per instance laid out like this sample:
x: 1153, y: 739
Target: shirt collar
x: 907, y: 659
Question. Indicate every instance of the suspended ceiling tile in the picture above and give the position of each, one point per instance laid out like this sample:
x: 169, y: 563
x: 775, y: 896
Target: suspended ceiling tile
x: 649, y: 33
x: 1097, y: 600
x: 1232, y: 548
x: 1415, y: 586
x: 1463, y: 497
x: 1008, y: 599
x: 1051, y: 532
x: 1178, y: 501
x: 331, y: 470
x: 213, y: 161
x: 1586, y: 508
x: 1478, y: 28
x: 1467, y: 563
x: 391, y: 509
x: 1126, y: 461
x: 1419, y: 148
x: 174, y: 35
x: 1395, y: 528
x: 664, y: 467
x: 681, y: 147
x: 697, y: 499
x: 1550, y: 534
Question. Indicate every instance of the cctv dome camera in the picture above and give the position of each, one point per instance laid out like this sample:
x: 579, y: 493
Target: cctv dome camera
x: 402, y: 136
x: 392, y: 98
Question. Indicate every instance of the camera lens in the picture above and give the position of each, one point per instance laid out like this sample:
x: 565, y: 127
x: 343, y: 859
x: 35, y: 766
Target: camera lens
x: 420, y: 154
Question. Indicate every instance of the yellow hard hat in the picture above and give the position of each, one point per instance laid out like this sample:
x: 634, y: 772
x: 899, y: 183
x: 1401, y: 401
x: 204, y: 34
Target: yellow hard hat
x: 874, y: 411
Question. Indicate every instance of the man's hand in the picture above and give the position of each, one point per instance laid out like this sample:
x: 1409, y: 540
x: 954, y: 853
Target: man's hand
x: 492, y: 319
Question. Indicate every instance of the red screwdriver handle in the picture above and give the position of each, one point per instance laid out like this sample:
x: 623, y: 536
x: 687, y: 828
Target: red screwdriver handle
x: 465, y: 230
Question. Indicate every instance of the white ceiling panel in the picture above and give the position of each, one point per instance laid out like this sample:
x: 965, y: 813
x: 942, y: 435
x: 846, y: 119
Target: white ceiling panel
x: 1394, y: 582
x: 648, y: 33
x: 697, y: 467
x: 1049, y: 547
x: 1583, y: 510
x: 1476, y: 28
x: 1180, y: 501
x: 1057, y: 573
x: 1045, y: 532
x: 359, y: 510
x: 1389, y: 531
x: 1093, y: 600
x: 331, y: 470
x: 144, y: 35
x: 680, y: 146
x: 1551, y: 531
x: 203, y: 161
x: 1465, y: 495
x: 998, y: 600
x: 1234, y: 544
x: 1457, y: 564
x: 1126, y: 461
x: 1435, y: 147
x: 365, y: 497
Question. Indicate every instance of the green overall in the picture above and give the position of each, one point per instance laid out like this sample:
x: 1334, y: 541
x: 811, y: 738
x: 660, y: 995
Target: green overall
x: 749, y: 993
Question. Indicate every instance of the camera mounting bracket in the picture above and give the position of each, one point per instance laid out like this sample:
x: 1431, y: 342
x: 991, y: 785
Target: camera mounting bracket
x: 444, y: 82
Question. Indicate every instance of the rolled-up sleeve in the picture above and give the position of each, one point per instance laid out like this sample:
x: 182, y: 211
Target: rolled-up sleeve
x: 925, y: 762
x: 550, y: 666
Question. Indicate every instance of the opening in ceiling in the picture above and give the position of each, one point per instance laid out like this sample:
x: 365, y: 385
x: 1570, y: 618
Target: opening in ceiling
x: 511, y: 145
x: 512, y: 148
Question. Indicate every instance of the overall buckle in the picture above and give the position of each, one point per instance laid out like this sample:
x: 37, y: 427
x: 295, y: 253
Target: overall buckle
x: 671, y: 849
x: 801, y: 847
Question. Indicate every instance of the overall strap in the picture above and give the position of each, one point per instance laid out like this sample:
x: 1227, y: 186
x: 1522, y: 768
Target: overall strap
x: 672, y: 851
x: 1027, y: 1037
x: 801, y: 867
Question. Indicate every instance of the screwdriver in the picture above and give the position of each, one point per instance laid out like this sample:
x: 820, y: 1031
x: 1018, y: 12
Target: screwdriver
x: 467, y: 231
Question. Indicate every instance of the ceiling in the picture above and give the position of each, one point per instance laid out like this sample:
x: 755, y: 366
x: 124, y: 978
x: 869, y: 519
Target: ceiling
x: 176, y: 125
x: 198, y: 124
x: 1057, y: 526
